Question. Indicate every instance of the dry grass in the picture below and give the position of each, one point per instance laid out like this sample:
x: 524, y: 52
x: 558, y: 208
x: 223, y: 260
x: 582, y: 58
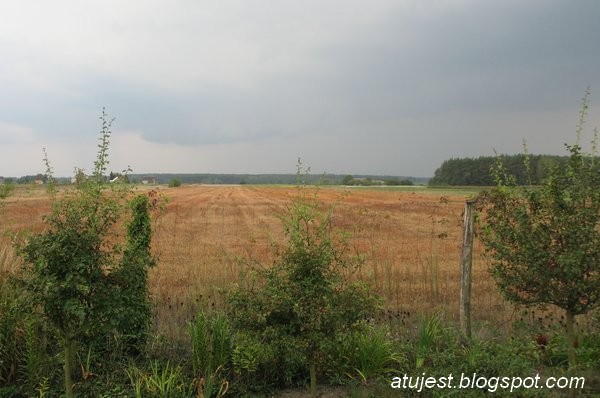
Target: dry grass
x: 9, y: 262
x: 22, y: 211
x: 411, y: 241
x: 207, y: 234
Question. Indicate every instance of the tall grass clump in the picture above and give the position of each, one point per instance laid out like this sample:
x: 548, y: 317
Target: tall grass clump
x: 23, y: 357
x: 160, y: 380
x: 430, y: 332
x: 211, y: 353
x: 366, y: 355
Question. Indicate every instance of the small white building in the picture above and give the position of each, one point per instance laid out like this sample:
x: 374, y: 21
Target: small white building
x: 149, y: 181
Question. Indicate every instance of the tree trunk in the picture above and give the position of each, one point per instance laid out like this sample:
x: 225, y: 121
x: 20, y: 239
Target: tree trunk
x: 68, y: 367
x: 313, y: 378
x: 572, y: 338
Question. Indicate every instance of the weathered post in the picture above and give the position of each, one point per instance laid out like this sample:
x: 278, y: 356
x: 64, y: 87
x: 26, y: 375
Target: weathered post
x: 466, y: 260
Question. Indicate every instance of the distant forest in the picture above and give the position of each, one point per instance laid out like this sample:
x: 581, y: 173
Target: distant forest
x: 206, y: 178
x: 476, y: 171
x: 452, y: 172
x: 322, y: 179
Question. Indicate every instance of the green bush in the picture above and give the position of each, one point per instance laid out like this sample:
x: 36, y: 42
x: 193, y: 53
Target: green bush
x: 544, y: 242
x: 86, y: 287
x: 262, y: 364
x: 6, y: 188
x: 305, y: 300
x: 174, y: 183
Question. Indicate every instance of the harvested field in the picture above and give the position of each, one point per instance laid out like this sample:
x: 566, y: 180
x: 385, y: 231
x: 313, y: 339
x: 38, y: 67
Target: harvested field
x: 207, y: 234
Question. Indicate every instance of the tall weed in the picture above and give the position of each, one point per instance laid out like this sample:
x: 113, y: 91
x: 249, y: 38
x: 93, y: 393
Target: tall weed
x: 163, y: 381
x: 160, y: 381
x: 211, y: 353
x: 368, y: 354
x: 430, y: 331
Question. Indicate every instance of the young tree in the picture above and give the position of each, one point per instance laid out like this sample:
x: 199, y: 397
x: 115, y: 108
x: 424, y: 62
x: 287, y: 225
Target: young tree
x: 307, y: 299
x: 544, y: 242
x: 70, y: 264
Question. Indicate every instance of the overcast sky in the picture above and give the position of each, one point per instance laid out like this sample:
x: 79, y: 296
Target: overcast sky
x: 248, y: 86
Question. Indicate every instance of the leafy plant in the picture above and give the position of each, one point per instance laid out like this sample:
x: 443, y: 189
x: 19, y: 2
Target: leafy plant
x: 34, y: 351
x: 11, y: 341
x: 544, y: 243
x: 43, y: 388
x: 137, y: 380
x: 307, y: 296
x: 160, y: 381
x: 6, y: 188
x: 211, y: 352
x: 70, y: 265
x: 134, y: 312
x: 430, y: 331
x: 259, y: 365
x: 246, y: 354
x: 174, y: 183
x: 370, y: 354
x: 163, y: 381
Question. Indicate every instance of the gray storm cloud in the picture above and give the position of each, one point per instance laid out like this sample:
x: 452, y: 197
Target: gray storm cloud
x: 299, y: 78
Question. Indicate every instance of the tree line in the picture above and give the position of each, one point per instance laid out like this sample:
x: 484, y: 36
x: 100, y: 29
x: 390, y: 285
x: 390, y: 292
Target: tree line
x: 476, y: 171
x: 217, y: 178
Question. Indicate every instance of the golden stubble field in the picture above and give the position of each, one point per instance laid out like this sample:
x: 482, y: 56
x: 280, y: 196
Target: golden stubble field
x: 207, y: 234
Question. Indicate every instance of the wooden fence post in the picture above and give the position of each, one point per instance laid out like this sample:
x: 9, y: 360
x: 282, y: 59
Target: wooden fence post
x: 466, y: 260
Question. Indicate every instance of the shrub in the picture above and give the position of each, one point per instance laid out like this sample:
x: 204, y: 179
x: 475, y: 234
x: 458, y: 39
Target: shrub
x: 70, y: 266
x: 174, y: 183
x: 305, y: 300
x: 6, y: 188
x: 544, y: 242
